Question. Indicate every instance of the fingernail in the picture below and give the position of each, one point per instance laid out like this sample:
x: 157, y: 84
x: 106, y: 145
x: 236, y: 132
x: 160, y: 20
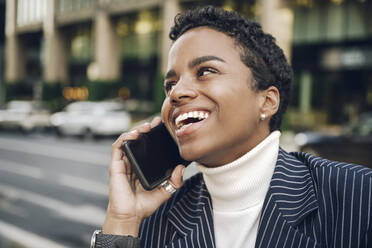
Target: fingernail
x: 133, y: 132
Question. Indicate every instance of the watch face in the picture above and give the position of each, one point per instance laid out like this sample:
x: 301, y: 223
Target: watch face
x: 94, y: 238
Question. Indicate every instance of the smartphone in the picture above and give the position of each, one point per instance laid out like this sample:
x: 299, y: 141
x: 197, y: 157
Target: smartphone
x: 153, y: 156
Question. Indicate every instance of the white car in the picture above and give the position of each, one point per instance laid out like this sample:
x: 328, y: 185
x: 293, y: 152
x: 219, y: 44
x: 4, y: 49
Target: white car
x: 92, y: 118
x: 25, y: 116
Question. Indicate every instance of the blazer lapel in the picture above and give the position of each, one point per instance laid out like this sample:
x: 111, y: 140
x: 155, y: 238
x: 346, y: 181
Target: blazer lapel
x: 290, y: 199
x: 192, y: 217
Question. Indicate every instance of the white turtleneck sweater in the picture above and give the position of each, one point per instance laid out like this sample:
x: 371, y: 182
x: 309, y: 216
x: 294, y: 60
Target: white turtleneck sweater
x: 238, y: 191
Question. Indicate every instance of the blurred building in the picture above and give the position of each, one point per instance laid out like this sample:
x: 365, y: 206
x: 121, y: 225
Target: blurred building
x: 332, y: 60
x: 112, y: 47
x: 119, y: 48
x: 2, y: 50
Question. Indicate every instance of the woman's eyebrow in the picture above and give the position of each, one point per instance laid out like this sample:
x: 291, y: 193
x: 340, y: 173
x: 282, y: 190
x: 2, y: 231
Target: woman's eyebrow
x: 170, y: 74
x: 193, y: 63
x: 200, y: 60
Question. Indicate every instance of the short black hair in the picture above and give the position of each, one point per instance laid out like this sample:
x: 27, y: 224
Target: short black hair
x: 260, y: 53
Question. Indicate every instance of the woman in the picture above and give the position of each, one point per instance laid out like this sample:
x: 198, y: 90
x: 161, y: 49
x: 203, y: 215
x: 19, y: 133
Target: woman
x: 250, y: 192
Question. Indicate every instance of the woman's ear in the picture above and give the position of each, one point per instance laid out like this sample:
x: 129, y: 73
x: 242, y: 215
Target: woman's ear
x: 271, y: 100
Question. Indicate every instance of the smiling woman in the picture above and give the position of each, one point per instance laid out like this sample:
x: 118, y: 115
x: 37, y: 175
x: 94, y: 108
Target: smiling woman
x: 227, y: 86
x: 210, y: 76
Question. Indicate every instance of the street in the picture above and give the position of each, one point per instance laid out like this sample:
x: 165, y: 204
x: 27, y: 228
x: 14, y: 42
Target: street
x: 53, y: 192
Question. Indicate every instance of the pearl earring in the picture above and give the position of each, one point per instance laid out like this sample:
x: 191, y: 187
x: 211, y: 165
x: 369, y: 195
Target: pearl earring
x: 262, y: 117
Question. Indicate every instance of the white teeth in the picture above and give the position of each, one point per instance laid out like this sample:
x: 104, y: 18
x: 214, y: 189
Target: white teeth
x: 194, y: 114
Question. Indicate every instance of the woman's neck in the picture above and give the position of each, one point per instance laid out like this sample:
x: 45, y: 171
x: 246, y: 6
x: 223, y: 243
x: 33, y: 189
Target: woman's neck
x: 244, y: 182
x: 231, y: 153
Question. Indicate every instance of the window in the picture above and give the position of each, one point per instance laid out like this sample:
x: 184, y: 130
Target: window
x: 30, y: 11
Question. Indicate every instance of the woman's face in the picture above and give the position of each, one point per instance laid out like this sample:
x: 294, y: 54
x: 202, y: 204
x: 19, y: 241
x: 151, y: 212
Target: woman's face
x: 211, y: 109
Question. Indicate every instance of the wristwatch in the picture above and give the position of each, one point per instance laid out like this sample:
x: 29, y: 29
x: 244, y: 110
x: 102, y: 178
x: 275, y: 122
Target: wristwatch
x: 100, y: 240
x: 94, y: 237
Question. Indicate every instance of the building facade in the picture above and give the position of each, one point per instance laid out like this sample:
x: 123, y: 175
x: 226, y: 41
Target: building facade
x: 71, y: 42
x: 2, y: 51
x: 332, y: 61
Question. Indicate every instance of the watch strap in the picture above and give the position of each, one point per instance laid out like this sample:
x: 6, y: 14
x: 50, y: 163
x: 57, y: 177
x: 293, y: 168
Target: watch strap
x: 116, y: 241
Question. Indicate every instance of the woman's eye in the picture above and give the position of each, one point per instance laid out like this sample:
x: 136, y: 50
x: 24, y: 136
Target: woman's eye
x: 168, y: 86
x: 205, y: 71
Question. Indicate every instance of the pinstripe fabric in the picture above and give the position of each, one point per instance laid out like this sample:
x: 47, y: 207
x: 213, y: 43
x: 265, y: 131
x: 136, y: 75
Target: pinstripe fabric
x: 311, y: 202
x: 183, y: 221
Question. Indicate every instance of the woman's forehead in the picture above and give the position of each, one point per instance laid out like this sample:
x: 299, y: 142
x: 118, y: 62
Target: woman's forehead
x: 203, y: 41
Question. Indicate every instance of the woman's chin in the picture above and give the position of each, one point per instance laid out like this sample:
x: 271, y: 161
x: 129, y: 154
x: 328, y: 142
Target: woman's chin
x: 201, y: 158
x: 197, y: 157
x: 190, y: 155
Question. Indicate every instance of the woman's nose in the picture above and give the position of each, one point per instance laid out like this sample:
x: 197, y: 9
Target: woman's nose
x: 182, y: 92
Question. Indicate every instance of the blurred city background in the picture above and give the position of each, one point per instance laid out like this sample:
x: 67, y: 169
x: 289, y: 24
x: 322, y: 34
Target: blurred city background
x: 74, y: 74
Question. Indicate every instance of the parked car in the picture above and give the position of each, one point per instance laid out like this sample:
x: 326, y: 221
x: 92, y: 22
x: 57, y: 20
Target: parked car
x: 26, y: 116
x: 354, y: 145
x: 92, y: 119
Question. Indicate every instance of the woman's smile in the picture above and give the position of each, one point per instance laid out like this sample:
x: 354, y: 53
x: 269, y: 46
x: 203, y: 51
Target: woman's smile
x: 190, y: 121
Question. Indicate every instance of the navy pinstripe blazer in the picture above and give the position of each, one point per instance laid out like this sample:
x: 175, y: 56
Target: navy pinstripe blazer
x: 311, y: 202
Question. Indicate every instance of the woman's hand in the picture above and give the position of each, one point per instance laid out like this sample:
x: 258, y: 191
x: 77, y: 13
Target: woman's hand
x: 129, y: 203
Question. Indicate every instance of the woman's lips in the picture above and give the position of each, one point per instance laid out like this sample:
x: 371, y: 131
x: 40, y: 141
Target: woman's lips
x: 194, y: 115
x: 189, y: 128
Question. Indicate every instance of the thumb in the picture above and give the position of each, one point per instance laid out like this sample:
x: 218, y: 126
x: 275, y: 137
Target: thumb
x: 176, y: 179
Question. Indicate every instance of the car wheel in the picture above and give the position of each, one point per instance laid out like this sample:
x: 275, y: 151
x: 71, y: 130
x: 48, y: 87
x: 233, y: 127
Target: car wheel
x: 89, y: 135
x: 58, y: 132
x: 25, y: 130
